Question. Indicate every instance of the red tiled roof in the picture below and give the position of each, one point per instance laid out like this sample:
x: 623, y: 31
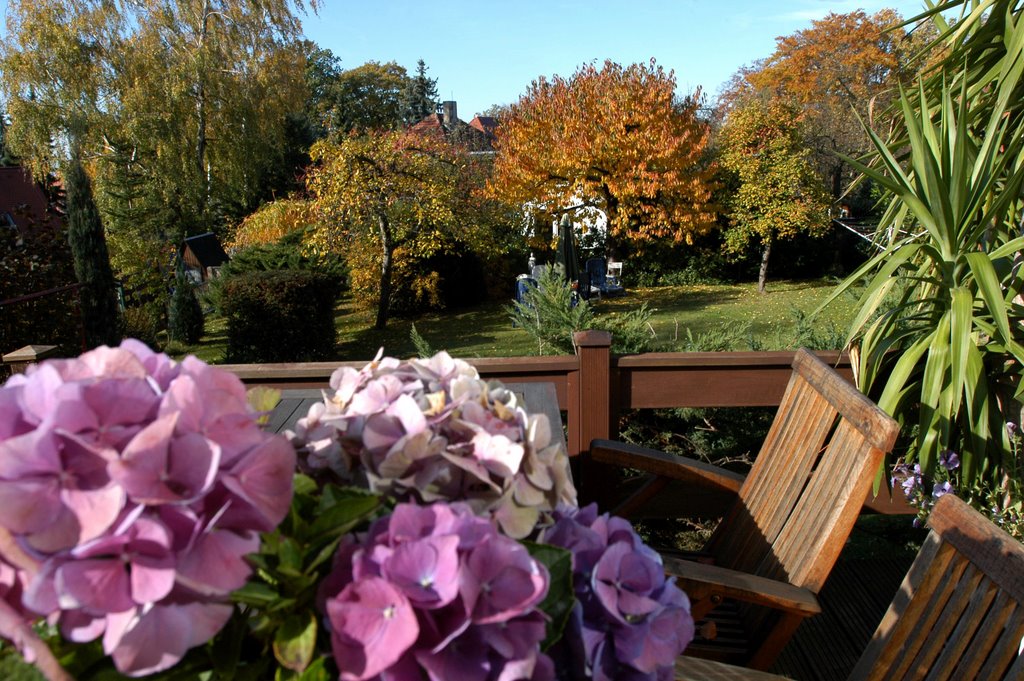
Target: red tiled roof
x: 25, y: 200
x: 432, y: 123
x: 472, y: 137
x: 485, y: 124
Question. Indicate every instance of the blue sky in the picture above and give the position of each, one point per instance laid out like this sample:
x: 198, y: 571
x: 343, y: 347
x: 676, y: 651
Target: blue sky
x: 485, y: 53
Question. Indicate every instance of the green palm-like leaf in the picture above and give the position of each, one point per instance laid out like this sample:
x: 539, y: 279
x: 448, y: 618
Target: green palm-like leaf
x: 938, y: 328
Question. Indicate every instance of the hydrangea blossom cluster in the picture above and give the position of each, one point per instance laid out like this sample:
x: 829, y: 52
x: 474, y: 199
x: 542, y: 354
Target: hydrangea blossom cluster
x: 629, y: 620
x: 132, y: 488
x: 432, y: 430
x: 436, y: 592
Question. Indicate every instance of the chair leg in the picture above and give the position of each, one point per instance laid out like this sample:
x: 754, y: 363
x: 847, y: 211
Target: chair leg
x: 776, y: 640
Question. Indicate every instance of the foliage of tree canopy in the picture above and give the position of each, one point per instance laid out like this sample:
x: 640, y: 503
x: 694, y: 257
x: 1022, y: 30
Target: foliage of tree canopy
x: 395, y: 190
x: 367, y: 97
x: 182, y: 110
x: 779, y: 196
x: 842, y: 67
x: 612, y: 138
x: 420, y: 98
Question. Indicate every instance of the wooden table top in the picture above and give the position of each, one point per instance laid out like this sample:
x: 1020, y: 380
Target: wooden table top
x: 536, y: 397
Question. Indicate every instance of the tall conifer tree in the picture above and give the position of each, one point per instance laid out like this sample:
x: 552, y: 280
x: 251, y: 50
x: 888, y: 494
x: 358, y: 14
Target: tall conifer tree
x: 92, y: 262
x: 420, y: 96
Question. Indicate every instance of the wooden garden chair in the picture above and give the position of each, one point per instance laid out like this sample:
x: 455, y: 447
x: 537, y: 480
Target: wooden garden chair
x: 959, y: 613
x: 790, y: 517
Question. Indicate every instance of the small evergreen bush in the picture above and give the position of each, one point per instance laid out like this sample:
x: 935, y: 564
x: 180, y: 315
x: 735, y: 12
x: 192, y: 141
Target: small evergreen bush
x: 632, y: 333
x: 185, y: 317
x: 289, y: 253
x: 549, y: 314
x: 280, y: 316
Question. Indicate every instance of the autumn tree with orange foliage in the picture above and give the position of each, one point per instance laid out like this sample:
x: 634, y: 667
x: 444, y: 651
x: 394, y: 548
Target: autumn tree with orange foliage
x: 843, y: 66
x: 614, y: 139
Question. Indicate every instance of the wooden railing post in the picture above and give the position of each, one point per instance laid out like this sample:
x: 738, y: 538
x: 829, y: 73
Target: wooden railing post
x: 594, y: 417
x: 594, y: 351
x: 21, y: 358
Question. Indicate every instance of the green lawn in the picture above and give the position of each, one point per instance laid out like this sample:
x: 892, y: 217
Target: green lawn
x: 734, y: 313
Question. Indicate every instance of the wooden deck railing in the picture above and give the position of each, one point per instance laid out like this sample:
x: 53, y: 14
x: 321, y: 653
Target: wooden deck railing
x: 594, y: 386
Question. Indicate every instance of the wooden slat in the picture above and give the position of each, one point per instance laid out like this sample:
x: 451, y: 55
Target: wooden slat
x: 743, y: 586
x: 1001, y: 558
x: 1004, y: 662
x: 778, y: 476
x: 963, y: 635
x: 668, y: 465
x: 954, y: 607
x: 924, y: 612
x: 696, y: 669
x: 878, y: 428
x: 823, y: 518
x: 969, y: 664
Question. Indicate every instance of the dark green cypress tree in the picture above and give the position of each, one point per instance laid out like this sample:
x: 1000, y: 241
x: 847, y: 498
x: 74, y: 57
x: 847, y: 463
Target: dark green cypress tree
x: 420, y: 96
x: 100, y: 319
x: 185, y: 318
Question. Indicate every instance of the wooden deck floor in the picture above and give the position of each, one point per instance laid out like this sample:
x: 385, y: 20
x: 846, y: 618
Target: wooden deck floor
x: 853, y: 600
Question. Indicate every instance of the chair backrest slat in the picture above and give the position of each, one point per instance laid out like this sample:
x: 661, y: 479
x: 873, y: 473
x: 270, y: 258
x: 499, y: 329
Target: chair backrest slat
x: 823, y: 517
x: 804, y: 491
x: 776, y: 479
x: 958, y: 614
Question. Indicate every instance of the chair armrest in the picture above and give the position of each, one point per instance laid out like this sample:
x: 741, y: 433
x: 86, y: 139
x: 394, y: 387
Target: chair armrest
x: 665, y: 465
x: 712, y: 583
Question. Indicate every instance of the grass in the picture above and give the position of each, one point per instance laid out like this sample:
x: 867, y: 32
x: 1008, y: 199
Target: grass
x: 766, y: 321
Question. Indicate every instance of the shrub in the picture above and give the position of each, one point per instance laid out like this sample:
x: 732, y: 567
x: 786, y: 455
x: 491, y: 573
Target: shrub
x: 280, y: 316
x: 185, y: 317
x: 289, y: 253
x: 143, y: 324
x: 631, y: 331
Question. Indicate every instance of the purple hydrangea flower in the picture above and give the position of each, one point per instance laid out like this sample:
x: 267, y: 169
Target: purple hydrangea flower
x: 436, y: 592
x: 432, y: 430
x: 630, y: 621
x: 133, y: 489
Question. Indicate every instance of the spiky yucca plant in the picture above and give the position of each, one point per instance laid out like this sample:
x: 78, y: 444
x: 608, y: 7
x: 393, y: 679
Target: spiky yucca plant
x: 940, y: 315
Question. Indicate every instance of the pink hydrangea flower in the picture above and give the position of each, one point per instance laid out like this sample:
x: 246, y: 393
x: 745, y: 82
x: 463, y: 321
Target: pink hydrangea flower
x: 437, y: 592
x: 136, y: 486
x: 432, y: 430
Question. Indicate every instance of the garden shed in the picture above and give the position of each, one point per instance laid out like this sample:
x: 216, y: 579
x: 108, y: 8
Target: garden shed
x: 202, y: 255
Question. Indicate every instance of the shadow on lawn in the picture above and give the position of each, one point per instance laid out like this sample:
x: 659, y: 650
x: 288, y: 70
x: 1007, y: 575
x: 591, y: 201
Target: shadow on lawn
x: 679, y: 299
x: 485, y: 330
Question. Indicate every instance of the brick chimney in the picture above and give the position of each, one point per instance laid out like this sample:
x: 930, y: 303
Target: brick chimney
x: 450, y: 113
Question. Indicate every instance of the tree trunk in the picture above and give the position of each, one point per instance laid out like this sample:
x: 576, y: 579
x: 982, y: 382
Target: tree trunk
x: 762, y: 273
x: 611, y: 214
x: 200, y: 150
x: 387, y: 248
